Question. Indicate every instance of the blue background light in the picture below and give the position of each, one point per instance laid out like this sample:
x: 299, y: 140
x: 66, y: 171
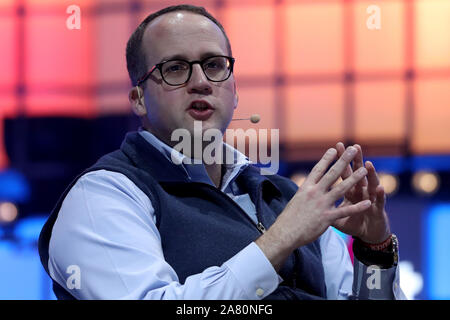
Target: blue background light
x: 13, y: 186
x: 437, y: 252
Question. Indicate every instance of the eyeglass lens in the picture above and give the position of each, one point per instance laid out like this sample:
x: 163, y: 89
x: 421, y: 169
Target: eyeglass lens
x: 177, y: 72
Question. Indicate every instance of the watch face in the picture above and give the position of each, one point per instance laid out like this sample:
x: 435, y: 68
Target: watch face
x: 395, y: 248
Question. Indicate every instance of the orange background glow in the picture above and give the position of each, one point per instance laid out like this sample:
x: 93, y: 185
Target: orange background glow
x: 312, y: 69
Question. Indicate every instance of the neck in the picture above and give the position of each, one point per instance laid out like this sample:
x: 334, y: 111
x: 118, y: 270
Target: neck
x: 215, y: 173
x: 214, y: 170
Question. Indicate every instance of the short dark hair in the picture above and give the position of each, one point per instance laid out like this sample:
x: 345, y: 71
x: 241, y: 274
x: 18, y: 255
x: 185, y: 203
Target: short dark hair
x: 136, y: 62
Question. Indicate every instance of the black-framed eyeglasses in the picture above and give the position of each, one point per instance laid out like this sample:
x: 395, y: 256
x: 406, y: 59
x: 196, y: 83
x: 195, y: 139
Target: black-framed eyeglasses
x: 176, y: 72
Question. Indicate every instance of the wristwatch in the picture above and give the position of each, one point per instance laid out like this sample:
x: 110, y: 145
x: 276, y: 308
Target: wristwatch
x: 385, y: 258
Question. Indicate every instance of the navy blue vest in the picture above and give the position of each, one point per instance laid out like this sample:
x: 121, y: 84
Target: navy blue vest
x: 200, y: 226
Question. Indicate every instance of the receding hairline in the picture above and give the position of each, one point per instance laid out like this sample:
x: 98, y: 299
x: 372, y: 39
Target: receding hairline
x: 167, y: 15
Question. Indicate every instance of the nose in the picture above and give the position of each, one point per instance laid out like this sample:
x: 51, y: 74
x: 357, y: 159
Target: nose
x: 198, y: 83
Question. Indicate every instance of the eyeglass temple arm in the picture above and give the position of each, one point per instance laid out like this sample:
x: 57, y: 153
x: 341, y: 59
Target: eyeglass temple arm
x: 141, y: 80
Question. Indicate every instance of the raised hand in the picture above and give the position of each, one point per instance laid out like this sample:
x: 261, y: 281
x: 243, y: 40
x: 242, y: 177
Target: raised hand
x: 312, y: 209
x: 371, y: 225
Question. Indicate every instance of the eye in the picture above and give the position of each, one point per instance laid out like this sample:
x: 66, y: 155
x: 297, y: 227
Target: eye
x: 214, y: 64
x: 175, y: 67
x: 211, y: 65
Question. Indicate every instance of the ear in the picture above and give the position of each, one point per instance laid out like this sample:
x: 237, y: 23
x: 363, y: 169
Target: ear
x: 136, y: 98
x: 236, y: 96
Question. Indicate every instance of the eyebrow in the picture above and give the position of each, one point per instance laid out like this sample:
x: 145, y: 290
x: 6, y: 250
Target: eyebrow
x: 183, y: 57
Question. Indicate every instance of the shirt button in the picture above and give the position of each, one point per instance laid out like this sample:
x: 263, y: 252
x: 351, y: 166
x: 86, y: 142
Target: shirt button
x: 259, y: 292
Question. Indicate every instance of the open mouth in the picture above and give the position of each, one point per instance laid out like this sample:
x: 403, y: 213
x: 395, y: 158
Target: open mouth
x: 200, y: 110
x: 200, y: 105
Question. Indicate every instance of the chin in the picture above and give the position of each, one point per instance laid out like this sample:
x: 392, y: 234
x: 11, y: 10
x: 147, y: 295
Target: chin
x: 214, y: 125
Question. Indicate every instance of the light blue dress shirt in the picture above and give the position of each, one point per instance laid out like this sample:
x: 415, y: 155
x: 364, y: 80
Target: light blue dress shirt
x: 106, y: 233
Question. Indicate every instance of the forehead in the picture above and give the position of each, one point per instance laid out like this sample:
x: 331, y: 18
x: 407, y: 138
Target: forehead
x: 182, y: 33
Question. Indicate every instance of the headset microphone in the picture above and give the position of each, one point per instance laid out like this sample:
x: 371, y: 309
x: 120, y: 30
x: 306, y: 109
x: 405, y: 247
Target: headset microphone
x: 254, y: 118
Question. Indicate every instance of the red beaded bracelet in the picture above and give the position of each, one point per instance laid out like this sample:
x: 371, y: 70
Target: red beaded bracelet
x: 378, y: 246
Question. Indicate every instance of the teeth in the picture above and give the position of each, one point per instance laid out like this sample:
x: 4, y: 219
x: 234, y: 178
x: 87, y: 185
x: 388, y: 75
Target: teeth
x: 200, y: 106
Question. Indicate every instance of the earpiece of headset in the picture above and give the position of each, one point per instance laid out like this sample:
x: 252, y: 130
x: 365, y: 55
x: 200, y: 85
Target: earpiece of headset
x: 138, y: 92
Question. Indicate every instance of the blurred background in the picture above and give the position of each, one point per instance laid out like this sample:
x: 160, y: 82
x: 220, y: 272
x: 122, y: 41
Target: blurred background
x: 373, y: 72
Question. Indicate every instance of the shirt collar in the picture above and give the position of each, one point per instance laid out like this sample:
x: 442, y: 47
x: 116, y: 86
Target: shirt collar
x: 197, y: 172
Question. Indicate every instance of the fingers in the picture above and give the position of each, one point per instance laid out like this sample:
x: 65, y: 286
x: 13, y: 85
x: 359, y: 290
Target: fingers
x: 358, y: 163
x: 338, y: 168
x: 373, y: 180
x: 380, y: 197
x: 346, y: 211
x: 320, y: 168
x: 348, y: 170
x: 341, y: 189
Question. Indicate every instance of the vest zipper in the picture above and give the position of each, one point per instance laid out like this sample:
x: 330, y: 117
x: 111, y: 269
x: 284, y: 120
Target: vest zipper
x: 262, y: 229
x: 259, y: 226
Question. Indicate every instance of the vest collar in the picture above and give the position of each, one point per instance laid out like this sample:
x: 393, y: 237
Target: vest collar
x: 146, y: 156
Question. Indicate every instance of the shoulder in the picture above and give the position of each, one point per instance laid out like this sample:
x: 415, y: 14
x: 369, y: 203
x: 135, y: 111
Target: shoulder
x: 103, y: 216
x: 99, y: 205
x: 101, y: 192
x: 107, y: 183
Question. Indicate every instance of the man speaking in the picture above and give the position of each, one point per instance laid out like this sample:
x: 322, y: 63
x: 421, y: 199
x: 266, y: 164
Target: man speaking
x: 137, y: 225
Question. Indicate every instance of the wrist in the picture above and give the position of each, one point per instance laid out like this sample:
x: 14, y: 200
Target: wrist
x: 386, y: 258
x: 274, y: 248
x: 381, y: 246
